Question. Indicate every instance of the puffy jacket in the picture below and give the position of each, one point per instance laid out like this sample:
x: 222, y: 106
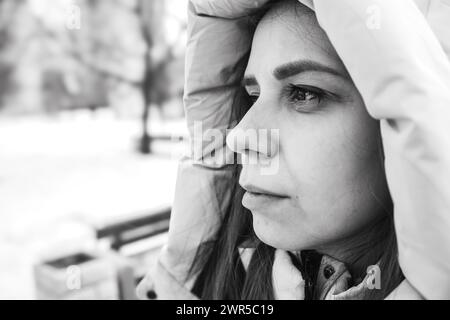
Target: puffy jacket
x: 406, y: 85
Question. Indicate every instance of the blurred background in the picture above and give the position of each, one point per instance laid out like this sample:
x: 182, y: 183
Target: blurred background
x: 91, y: 128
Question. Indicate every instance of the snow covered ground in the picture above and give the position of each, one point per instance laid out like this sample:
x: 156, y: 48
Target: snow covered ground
x: 59, y: 174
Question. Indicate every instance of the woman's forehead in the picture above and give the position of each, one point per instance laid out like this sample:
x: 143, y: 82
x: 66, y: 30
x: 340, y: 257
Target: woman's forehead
x: 290, y: 32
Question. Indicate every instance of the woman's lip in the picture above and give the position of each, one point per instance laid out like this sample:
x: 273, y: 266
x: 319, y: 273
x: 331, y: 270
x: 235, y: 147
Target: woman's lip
x: 254, y: 201
x: 258, y: 191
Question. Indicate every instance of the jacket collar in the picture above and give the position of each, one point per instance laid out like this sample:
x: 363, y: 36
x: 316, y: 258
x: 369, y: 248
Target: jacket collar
x: 334, y: 282
x: 326, y: 278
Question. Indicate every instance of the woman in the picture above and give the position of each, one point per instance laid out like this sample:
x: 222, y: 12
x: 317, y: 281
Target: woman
x: 327, y: 208
x: 329, y: 193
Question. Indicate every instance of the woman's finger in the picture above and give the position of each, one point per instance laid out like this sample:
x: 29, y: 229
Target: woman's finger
x: 145, y: 289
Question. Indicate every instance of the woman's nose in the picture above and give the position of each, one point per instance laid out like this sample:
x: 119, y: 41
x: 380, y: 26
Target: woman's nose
x: 254, y: 136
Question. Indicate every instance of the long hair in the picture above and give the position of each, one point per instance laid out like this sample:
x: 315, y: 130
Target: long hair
x: 220, y: 274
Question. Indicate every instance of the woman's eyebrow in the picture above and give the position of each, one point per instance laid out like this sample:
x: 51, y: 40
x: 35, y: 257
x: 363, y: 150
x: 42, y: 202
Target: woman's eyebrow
x: 292, y: 68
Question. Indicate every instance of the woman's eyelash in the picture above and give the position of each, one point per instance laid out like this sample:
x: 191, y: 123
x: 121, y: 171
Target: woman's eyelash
x: 302, y: 94
x: 301, y: 97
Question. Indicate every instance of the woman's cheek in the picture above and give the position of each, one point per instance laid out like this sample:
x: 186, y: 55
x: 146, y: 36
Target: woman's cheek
x: 322, y: 164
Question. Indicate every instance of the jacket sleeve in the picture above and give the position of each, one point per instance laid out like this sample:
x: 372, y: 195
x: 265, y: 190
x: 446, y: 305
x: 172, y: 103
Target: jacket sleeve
x: 219, y: 40
x: 400, y: 67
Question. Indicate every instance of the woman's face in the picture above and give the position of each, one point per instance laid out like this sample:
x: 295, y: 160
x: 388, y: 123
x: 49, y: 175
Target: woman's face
x: 329, y: 170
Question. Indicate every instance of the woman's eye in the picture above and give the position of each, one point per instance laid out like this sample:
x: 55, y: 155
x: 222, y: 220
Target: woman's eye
x: 304, y: 98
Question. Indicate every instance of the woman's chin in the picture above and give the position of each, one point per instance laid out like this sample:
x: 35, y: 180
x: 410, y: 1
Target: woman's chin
x: 266, y: 232
x: 276, y: 236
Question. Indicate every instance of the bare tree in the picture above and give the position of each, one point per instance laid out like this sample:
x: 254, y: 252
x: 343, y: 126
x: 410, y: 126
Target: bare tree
x: 8, y: 10
x: 156, y: 82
